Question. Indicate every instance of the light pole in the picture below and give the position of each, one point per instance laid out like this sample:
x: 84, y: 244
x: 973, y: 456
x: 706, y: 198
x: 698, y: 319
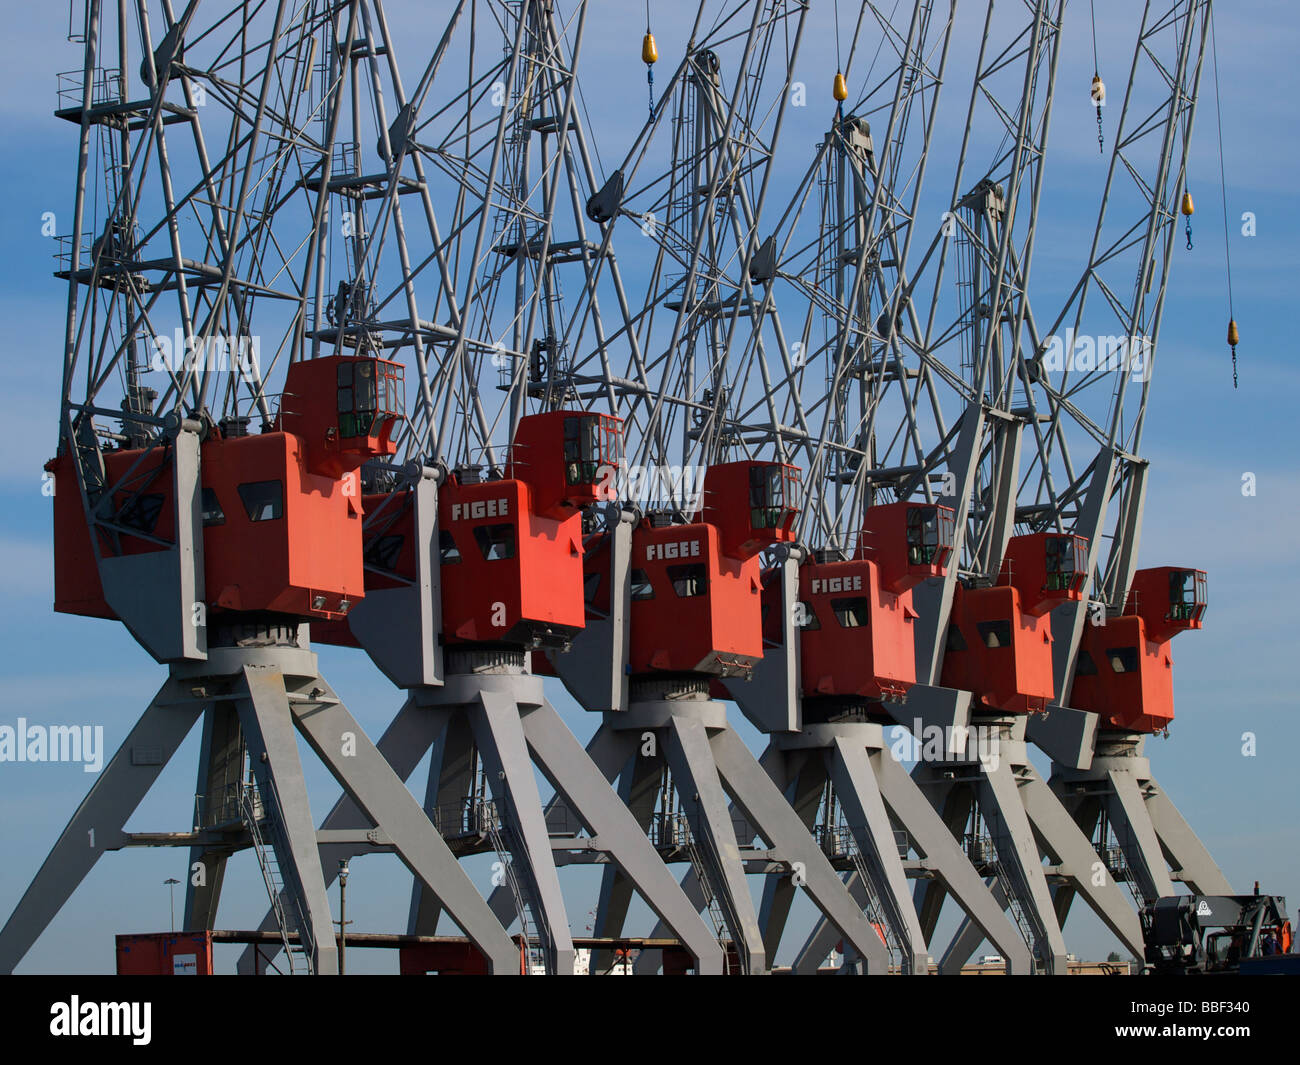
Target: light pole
x: 171, y: 883
x: 343, y: 915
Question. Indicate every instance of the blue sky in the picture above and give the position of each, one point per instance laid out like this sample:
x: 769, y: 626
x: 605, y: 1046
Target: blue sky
x: 1202, y: 436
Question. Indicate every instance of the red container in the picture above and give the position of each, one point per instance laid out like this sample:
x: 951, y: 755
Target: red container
x: 165, y: 954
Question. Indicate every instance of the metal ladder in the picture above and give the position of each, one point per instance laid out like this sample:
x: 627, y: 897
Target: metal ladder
x: 998, y: 872
x: 875, y: 910
x: 287, y: 918
x: 1115, y: 858
x: 1017, y: 911
x: 534, y: 949
x: 716, y: 916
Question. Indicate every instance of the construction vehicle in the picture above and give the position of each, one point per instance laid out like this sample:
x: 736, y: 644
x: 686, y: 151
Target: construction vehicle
x: 1196, y: 934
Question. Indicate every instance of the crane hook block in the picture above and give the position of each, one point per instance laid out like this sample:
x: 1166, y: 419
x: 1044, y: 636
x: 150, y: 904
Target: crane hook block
x: 649, y: 53
x: 840, y: 90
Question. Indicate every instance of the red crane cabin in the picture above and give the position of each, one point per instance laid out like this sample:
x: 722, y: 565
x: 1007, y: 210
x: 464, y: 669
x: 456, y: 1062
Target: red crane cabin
x: 696, y: 605
x: 510, y: 550
x: 1125, y: 669
x: 1000, y: 638
x: 857, y: 637
x: 281, y: 510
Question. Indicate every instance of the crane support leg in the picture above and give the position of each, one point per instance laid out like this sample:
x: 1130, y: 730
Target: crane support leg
x: 934, y: 840
x: 999, y: 791
x: 587, y: 794
x: 1153, y: 835
x: 1137, y: 836
x: 498, y: 733
x: 698, y: 779
x: 777, y: 823
x: 97, y: 824
x: 639, y: 781
x: 221, y: 766
x: 953, y: 805
x: 970, y: 935
x: 451, y: 783
x: 402, y: 744
x: 264, y: 714
x: 1084, y: 872
x: 362, y: 771
x: 1085, y: 810
x: 868, y: 819
x: 803, y: 791
x: 784, y: 819
x: 1067, y: 845
x: 948, y: 868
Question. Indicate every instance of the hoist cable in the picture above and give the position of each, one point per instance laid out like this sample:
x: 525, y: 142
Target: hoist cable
x: 1223, y: 189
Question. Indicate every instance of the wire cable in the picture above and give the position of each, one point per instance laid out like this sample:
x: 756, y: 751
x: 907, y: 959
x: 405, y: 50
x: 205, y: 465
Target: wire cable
x: 1223, y: 189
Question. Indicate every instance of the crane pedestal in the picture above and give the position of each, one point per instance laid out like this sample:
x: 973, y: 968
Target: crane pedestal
x: 258, y: 685
x: 1151, y: 835
x: 674, y: 731
x: 490, y: 712
x: 1025, y: 823
x: 875, y: 794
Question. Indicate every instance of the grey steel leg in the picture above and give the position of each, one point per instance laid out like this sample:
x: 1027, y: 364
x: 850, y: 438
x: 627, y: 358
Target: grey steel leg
x: 802, y: 779
x: 402, y: 744
x: 1085, y: 811
x: 699, y: 787
x: 609, y: 751
x: 451, y: 779
x: 1004, y: 812
x: 1072, y: 850
x: 935, y: 841
x: 825, y: 936
x: 500, y: 738
x: 648, y: 962
x: 970, y: 935
x: 639, y: 780
x: 1137, y: 836
x: 775, y: 763
x: 221, y: 767
x: 378, y: 791
x: 1185, y: 851
x: 778, y: 824
x: 953, y: 802
x: 201, y: 899
x: 864, y: 809
x: 97, y: 824
x: 589, y: 795
x: 273, y: 753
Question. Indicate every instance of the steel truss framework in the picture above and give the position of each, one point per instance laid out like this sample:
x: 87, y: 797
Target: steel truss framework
x: 469, y: 228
